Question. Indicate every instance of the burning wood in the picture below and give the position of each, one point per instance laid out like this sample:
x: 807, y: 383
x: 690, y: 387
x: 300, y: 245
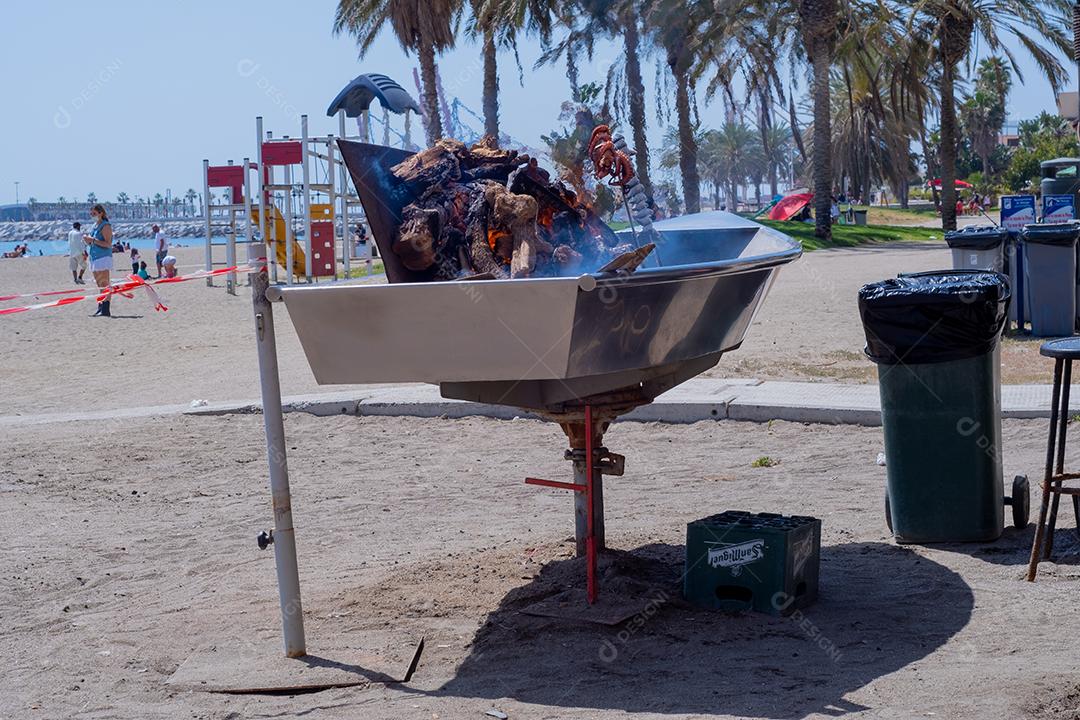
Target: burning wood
x: 482, y: 211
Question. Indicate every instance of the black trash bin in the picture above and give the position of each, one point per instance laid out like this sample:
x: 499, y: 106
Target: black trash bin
x: 935, y: 339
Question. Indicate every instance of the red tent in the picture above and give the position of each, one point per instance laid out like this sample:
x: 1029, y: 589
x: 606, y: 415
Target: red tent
x: 790, y: 206
x: 959, y: 183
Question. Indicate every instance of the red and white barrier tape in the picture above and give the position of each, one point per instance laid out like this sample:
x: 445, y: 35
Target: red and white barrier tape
x: 125, y: 289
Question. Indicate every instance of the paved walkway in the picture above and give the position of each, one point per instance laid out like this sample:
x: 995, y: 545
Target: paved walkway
x: 694, y: 401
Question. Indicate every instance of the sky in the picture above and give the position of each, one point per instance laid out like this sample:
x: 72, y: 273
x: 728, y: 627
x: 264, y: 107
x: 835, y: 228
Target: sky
x: 116, y: 96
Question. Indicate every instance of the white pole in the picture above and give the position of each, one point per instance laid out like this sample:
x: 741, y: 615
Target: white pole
x: 288, y: 227
x: 367, y: 124
x: 386, y: 126
x: 346, y: 236
x: 251, y: 256
x: 264, y: 210
x: 331, y: 198
x: 230, y: 245
x: 207, y: 204
x: 306, y: 176
x: 288, y: 575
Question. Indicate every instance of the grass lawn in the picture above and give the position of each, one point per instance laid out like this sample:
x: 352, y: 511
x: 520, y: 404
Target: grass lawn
x: 850, y: 235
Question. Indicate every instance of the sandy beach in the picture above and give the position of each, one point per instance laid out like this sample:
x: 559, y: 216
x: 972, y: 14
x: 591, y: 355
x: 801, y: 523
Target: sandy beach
x: 128, y: 554
x: 59, y: 360
x: 129, y: 543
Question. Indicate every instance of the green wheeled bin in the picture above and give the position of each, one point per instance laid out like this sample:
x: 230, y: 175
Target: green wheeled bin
x: 935, y: 338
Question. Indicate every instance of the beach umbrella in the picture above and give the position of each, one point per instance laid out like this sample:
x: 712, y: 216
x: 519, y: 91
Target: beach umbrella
x: 959, y: 183
x: 790, y: 206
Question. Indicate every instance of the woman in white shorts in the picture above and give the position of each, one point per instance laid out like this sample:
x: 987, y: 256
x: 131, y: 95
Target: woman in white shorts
x: 99, y: 246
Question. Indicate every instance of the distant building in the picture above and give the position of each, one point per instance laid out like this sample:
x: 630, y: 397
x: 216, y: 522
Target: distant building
x: 1068, y: 104
x: 14, y: 212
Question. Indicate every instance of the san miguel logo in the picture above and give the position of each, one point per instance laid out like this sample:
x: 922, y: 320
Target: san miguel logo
x: 735, y: 556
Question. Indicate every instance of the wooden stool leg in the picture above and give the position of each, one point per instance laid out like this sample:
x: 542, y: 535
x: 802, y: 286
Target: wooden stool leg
x: 1040, y: 529
x: 1063, y: 424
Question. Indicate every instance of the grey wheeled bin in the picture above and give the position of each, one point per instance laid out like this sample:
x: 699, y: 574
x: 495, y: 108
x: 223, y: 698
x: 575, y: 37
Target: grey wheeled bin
x: 1050, y: 261
x: 978, y: 247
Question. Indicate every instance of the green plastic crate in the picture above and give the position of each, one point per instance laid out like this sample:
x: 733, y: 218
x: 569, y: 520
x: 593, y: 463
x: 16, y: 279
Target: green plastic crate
x: 743, y: 561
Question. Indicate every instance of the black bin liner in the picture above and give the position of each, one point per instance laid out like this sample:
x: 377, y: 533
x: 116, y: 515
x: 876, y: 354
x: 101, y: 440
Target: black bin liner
x: 977, y: 237
x: 1058, y: 234
x: 934, y: 317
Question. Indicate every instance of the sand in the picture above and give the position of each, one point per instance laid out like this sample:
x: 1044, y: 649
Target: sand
x: 60, y: 360
x: 128, y: 546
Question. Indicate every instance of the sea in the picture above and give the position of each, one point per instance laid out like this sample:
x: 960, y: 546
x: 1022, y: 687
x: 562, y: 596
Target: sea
x: 60, y: 247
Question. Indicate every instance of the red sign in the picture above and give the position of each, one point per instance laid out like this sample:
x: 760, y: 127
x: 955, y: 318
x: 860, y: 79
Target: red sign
x: 282, y: 153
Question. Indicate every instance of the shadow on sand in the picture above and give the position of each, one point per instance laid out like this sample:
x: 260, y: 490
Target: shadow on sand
x: 881, y: 608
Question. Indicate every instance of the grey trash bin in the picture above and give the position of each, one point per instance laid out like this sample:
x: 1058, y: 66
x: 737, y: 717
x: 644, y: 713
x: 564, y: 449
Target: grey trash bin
x: 860, y: 217
x: 1050, y: 260
x: 980, y: 247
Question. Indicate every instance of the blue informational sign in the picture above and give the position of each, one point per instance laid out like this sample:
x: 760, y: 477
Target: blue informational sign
x: 1017, y: 211
x: 1059, y: 208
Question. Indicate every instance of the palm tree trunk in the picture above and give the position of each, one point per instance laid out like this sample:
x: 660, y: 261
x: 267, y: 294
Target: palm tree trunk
x: 821, y: 54
x: 636, y: 87
x: 572, y: 72
x: 491, y: 86
x: 687, y: 145
x: 430, y: 101
x: 948, y: 148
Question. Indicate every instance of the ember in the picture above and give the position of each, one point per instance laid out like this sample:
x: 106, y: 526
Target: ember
x: 482, y: 211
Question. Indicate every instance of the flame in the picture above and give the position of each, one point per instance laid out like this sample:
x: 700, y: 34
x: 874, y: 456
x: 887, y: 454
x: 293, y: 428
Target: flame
x: 494, y: 236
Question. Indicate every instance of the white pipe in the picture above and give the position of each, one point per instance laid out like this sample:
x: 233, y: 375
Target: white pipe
x: 306, y: 178
x: 288, y: 575
x: 288, y: 228
x: 264, y: 236
x: 346, y: 236
x: 208, y: 249
x: 251, y: 255
x: 331, y: 200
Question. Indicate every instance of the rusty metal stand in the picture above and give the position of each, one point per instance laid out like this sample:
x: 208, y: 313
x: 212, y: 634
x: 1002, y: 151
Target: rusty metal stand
x: 591, y: 462
x: 1055, y: 477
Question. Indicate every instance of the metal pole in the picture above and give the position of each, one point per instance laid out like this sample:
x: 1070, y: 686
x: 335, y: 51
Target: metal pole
x: 230, y: 245
x: 346, y: 237
x: 289, y: 268
x: 264, y: 236
x: 331, y: 198
x: 288, y: 575
x: 251, y: 255
x: 306, y: 177
x: 208, y: 249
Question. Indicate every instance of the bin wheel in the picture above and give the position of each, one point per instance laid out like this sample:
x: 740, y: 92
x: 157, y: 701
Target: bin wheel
x: 888, y: 512
x: 1020, y: 500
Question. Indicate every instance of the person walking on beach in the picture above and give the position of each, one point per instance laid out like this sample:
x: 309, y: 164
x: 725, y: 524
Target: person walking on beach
x: 76, y: 254
x: 161, y: 247
x: 99, y: 247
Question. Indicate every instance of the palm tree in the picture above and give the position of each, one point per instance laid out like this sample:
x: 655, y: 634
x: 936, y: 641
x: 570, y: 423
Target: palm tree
x: 982, y: 114
x: 420, y: 26
x: 91, y: 198
x: 950, y: 26
x: 122, y: 200
x: 158, y: 202
x: 673, y: 22
x: 190, y: 196
x: 819, y: 25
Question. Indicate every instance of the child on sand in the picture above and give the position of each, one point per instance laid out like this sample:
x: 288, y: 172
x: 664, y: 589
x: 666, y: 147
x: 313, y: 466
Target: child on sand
x: 168, y: 265
x: 134, y: 260
x: 142, y: 271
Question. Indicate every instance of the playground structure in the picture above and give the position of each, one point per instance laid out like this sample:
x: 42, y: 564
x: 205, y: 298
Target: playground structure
x: 300, y: 201
x: 293, y: 197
